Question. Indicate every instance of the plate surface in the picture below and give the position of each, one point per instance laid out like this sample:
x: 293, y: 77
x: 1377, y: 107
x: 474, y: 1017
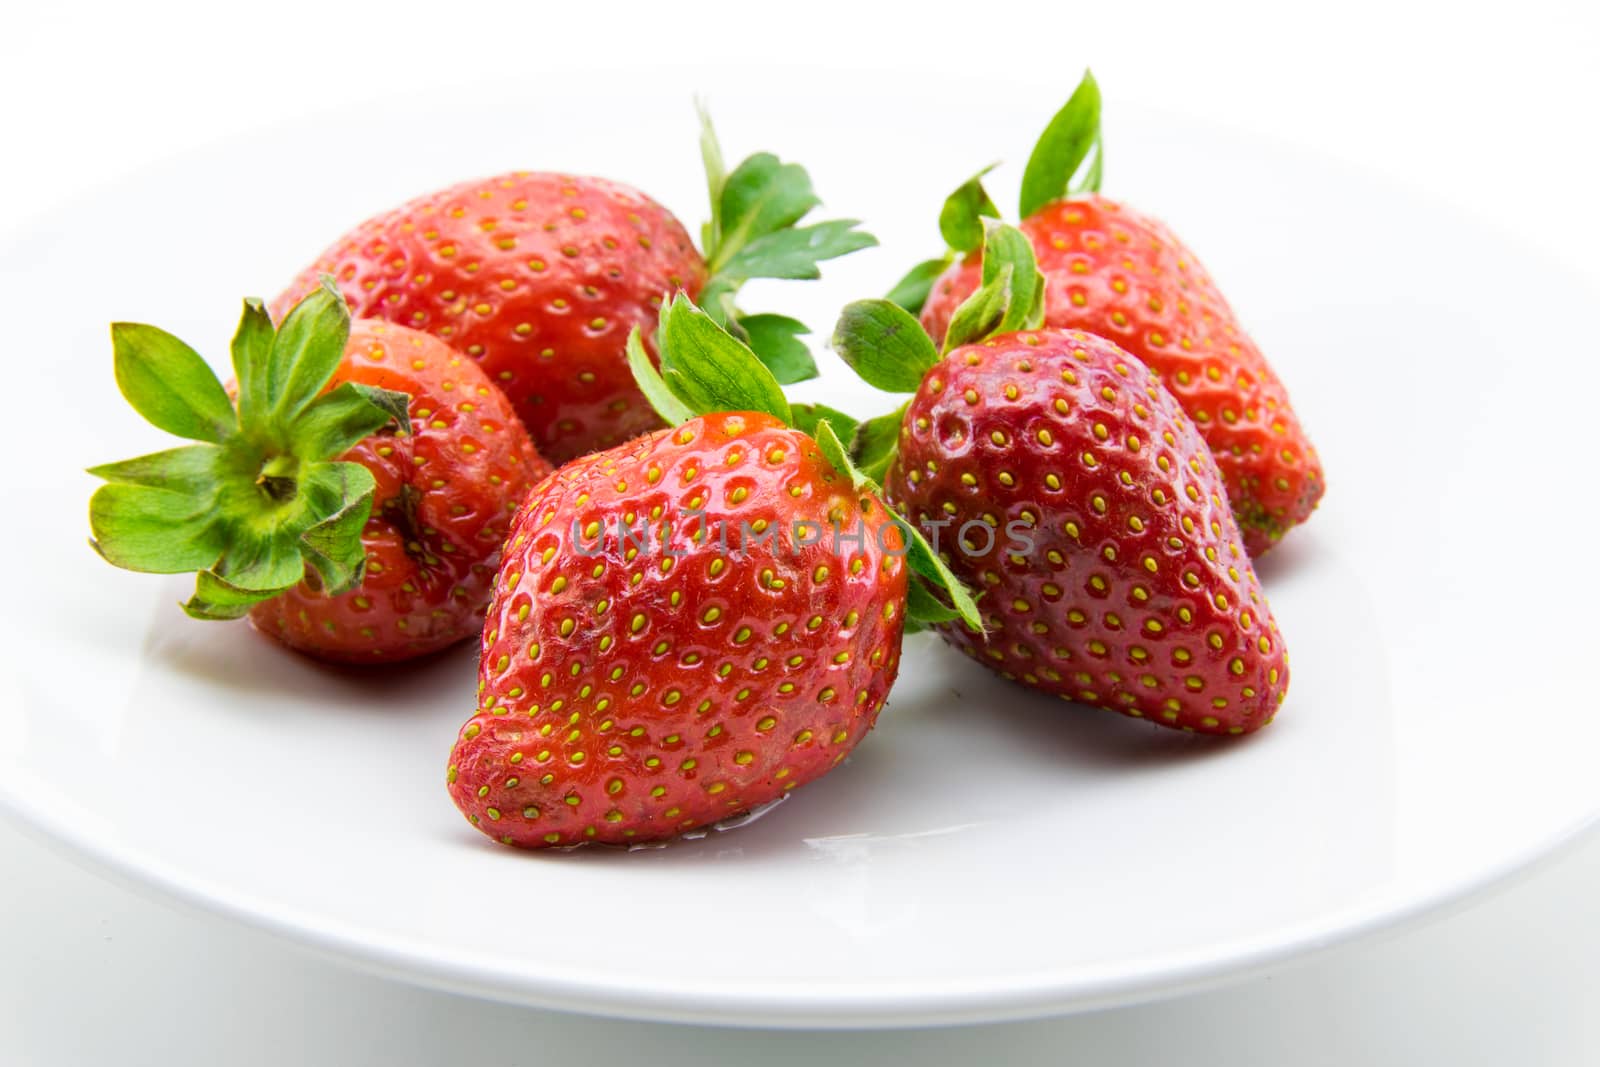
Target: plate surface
x: 986, y: 853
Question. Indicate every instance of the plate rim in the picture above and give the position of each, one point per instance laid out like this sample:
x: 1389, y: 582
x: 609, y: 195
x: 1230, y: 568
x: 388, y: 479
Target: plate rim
x: 875, y: 1005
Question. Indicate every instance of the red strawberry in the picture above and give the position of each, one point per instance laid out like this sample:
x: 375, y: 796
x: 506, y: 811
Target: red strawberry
x: 541, y: 277
x: 1071, y: 488
x: 1136, y: 593
x: 443, y: 502
x: 337, y: 531
x: 687, y: 626
x: 538, y: 277
x: 1123, y: 275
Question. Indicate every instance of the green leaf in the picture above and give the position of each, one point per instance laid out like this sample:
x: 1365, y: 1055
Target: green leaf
x: 1035, y: 318
x: 806, y: 417
x: 833, y: 449
x: 168, y: 383
x: 1011, y: 296
x: 330, y: 487
x: 1006, y: 246
x: 307, y: 348
x: 251, y: 507
x: 216, y: 598
x: 1062, y: 148
x: 795, y: 253
x: 672, y: 410
x: 752, y: 233
x: 190, y: 470
x: 262, y: 561
x: 774, y: 340
x: 884, y: 344
x: 912, y: 291
x: 158, y: 531
x: 716, y: 300
x: 926, y: 562
x: 876, y: 441
x: 834, y: 452
x: 392, y: 402
x: 716, y: 177
x: 961, y: 218
x: 252, y: 355
x: 709, y: 370
x: 1095, y: 172
x: 335, y: 421
x: 979, y: 313
x: 920, y: 554
x: 333, y: 547
x: 925, y: 608
x: 339, y: 560
x: 763, y: 195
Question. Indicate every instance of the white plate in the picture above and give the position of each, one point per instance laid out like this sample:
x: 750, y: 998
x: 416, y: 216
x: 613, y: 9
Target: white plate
x: 986, y: 853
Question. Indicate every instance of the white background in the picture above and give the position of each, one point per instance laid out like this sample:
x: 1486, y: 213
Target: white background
x: 1490, y: 109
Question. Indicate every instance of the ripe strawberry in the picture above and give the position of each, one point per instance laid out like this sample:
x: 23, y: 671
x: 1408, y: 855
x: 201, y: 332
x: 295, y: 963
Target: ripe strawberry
x: 540, y: 278
x: 442, y: 505
x: 1136, y: 593
x: 687, y: 626
x: 1075, y: 492
x: 386, y: 552
x: 1124, y: 276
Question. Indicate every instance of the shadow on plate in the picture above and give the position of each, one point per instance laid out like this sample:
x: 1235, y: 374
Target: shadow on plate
x: 923, y: 742
x: 236, y: 656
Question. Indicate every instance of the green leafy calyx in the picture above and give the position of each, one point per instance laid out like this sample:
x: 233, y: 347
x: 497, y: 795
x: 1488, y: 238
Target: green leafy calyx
x: 932, y: 581
x: 1010, y: 296
x: 886, y: 345
x: 259, y: 503
x: 912, y: 291
x: 1067, y: 160
x: 705, y: 369
x: 755, y: 231
x: 1068, y: 157
x: 807, y: 416
x: 961, y: 218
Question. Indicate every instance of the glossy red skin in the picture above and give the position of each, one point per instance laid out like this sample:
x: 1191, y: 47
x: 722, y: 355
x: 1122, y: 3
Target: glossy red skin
x: 579, y: 736
x: 1124, y: 276
x: 1099, y: 610
x: 476, y: 464
x: 538, y: 277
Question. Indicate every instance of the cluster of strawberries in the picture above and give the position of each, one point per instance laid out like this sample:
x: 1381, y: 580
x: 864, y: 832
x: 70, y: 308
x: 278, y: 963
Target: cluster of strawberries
x: 684, y: 623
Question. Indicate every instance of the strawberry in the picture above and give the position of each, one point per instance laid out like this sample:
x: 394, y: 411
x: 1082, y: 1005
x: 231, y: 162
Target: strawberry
x: 687, y: 626
x: 352, y: 503
x: 540, y: 277
x: 1125, y: 276
x: 1073, y: 489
